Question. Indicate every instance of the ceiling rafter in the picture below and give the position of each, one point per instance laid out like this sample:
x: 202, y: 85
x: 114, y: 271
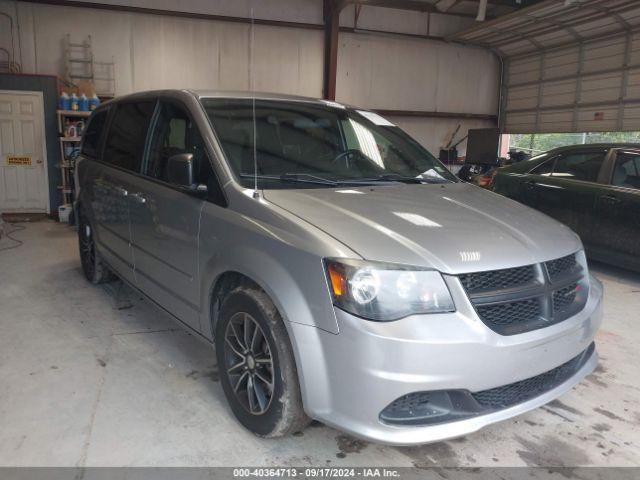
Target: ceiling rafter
x: 551, y: 23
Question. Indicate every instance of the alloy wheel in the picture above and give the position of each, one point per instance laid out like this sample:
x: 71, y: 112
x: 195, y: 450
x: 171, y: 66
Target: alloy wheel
x: 249, y: 363
x: 87, y: 248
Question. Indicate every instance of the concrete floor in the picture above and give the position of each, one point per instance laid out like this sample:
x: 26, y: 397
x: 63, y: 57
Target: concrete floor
x: 83, y: 383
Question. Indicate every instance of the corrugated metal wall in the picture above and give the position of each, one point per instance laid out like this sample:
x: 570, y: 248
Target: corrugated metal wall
x: 589, y: 87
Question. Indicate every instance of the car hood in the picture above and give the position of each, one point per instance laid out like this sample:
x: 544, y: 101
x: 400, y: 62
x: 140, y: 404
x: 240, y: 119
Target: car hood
x: 453, y: 228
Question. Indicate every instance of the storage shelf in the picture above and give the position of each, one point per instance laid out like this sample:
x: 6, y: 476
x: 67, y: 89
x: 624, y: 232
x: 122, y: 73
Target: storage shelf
x: 68, y: 117
x: 73, y: 113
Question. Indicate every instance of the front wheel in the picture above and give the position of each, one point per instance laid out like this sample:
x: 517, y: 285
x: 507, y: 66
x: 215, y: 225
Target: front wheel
x: 257, y: 366
x: 93, y: 267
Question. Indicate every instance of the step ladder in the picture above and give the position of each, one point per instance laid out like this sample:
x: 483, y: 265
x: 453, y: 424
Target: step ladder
x: 81, y: 65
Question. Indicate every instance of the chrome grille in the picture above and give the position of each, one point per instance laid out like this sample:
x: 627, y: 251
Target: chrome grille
x: 521, y: 299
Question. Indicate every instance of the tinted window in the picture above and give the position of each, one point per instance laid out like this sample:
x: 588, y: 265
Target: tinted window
x: 127, y: 135
x: 93, y: 133
x: 583, y: 166
x: 317, y: 145
x: 627, y: 171
x: 545, y: 168
x: 176, y: 133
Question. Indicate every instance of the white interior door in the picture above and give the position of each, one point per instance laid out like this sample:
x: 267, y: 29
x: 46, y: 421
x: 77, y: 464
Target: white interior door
x: 23, y: 176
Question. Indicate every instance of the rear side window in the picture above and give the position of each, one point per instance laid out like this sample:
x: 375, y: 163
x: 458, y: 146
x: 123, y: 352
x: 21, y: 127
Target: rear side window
x: 127, y: 135
x: 627, y: 171
x: 545, y: 168
x: 93, y: 133
x: 583, y: 166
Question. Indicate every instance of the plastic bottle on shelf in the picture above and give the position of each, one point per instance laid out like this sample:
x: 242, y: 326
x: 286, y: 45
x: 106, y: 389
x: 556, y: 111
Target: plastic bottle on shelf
x: 65, y: 103
x: 83, y: 103
x: 94, y: 102
x: 74, y: 102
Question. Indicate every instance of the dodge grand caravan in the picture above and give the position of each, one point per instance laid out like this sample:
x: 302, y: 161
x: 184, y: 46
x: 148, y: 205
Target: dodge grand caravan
x: 341, y: 271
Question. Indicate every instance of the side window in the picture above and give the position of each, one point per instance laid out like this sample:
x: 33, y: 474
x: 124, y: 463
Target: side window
x: 627, y: 171
x: 545, y: 168
x: 176, y: 133
x: 127, y: 135
x: 93, y: 133
x: 583, y: 166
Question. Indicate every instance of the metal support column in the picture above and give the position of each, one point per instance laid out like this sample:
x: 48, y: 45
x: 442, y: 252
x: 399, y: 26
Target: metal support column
x: 331, y: 30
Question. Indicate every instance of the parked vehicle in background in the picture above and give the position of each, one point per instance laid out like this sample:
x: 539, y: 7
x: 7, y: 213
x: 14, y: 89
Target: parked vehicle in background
x: 485, y: 179
x: 594, y: 189
x: 482, y: 175
x: 358, y: 283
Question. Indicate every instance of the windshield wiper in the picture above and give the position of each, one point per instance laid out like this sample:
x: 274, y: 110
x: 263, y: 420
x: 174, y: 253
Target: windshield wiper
x: 390, y: 177
x: 417, y: 179
x: 294, y: 177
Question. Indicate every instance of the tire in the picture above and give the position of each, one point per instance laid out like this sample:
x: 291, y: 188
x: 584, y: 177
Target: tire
x: 242, y: 351
x: 93, y: 267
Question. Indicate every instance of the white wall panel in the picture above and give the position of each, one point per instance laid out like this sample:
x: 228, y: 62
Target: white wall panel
x: 406, y: 74
x: 153, y: 51
x: 184, y: 53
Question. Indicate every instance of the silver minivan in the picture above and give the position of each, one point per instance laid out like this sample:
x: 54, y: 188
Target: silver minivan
x: 341, y: 271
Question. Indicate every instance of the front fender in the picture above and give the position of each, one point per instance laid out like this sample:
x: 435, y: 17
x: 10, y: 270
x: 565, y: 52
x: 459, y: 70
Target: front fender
x: 282, y: 255
x: 311, y: 306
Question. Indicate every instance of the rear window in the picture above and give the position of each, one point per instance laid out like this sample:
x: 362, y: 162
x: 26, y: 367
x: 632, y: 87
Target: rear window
x: 127, y: 135
x: 93, y: 133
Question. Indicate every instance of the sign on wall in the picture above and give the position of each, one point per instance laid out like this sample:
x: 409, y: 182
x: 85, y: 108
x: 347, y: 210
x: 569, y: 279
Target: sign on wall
x: 16, y: 160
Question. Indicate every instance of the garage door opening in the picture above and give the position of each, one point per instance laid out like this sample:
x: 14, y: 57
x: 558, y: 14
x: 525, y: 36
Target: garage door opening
x: 537, y: 143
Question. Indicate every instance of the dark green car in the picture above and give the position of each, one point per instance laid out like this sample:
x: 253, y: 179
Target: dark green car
x: 594, y: 189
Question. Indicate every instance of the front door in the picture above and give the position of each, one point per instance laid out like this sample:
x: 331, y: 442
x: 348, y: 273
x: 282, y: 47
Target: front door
x: 165, y: 218
x: 570, y: 192
x: 23, y: 176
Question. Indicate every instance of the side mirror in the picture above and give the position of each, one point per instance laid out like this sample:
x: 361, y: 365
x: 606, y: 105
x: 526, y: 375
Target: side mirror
x: 180, y: 170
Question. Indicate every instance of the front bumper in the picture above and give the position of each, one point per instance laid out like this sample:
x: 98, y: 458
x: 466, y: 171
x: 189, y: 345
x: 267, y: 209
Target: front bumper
x: 348, y: 379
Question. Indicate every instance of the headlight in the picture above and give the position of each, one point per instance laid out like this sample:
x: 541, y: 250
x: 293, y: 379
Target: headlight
x: 383, y: 291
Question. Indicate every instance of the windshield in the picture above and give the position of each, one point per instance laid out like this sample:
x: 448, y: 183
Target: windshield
x: 312, y: 146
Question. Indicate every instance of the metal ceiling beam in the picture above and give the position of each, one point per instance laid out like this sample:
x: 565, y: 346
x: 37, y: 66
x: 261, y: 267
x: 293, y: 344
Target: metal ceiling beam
x: 489, y: 37
x: 430, y: 114
x: 414, y: 5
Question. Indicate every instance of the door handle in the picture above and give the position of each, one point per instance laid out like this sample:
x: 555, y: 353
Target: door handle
x: 138, y: 198
x: 121, y: 191
x: 530, y: 184
x: 610, y: 199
